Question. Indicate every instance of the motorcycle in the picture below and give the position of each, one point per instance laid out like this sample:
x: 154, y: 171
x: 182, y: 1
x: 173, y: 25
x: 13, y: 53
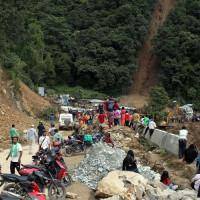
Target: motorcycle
x: 19, y: 184
x: 57, y: 167
x: 73, y: 146
x: 22, y: 188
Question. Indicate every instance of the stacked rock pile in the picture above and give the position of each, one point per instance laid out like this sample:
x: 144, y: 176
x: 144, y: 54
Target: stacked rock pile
x: 102, y: 159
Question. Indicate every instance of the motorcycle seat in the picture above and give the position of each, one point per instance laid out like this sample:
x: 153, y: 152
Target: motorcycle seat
x: 33, y: 166
x: 14, y: 178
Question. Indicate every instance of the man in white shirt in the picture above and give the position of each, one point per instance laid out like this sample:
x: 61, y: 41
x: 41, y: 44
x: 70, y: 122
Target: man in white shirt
x: 182, y: 140
x: 15, y: 154
x: 31, y: 136
x: 44, y: 141
x: 152, y: 126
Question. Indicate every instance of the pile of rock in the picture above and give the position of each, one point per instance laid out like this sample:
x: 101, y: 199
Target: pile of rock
x: 98, y: 162
x: 123, y: 185
x: 102, y: 159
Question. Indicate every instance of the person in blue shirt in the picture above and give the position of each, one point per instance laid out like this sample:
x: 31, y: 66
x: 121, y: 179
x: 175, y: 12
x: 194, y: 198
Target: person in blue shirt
x: 52, y: 119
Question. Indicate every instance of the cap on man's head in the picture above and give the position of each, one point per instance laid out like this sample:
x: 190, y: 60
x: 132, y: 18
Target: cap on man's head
x: 32, y: 125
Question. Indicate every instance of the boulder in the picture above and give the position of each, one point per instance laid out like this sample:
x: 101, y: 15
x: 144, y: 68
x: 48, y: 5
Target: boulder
x: 117, y: 182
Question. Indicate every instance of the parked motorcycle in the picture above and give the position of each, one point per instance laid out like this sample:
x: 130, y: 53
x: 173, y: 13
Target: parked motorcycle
x: 56, y: 166
x: 74, y: 146
x: 19, y: 187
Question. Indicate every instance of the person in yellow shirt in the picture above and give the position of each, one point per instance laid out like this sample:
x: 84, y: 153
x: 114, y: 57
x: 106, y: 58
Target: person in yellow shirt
x: 136, y: 120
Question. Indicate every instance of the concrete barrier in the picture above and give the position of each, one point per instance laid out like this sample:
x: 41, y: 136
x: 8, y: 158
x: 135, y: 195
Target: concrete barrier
x: 165, y: 140
x: 159, y: 137
x: 171, y: 143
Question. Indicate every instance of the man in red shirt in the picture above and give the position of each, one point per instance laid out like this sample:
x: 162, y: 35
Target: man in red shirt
x: 101, y: 118
x: 115, y: 106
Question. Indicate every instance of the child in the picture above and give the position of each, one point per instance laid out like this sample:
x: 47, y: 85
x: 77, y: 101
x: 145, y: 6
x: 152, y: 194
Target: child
x: 165, y: 180
x: 108, y: 140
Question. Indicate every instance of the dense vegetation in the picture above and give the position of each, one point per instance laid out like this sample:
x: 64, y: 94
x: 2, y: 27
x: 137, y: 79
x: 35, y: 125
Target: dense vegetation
x: 178, y: 44
x: 80, y: 42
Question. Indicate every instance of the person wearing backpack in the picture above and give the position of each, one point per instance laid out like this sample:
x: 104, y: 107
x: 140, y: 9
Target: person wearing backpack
x: 52, y: 130
x: 58, y: 137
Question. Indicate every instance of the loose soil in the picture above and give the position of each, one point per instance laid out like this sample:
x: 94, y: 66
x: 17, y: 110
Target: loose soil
x: 13, y: 112
x: 148, y: 65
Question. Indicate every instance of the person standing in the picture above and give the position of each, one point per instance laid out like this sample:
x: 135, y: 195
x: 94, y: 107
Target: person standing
x: 110, y: 119
x: 123, y: 112
x: 52, y: 119
x: 127, y: 117
x: 115, y: 106
x: 40, y: 128
x: 110, y: 105
x: 119, y: 120
x: 182, y: 140
x: 101, y: 118
x: 152, y: 126
x: 58, y: 137
x: 90, y: 121
x: 136, y: 120
x: 116, y: 117
x: 105, y: 105
x: 31, y: 136
x: 13, y: 132
x: 44, y: 141
x: 15, y: 154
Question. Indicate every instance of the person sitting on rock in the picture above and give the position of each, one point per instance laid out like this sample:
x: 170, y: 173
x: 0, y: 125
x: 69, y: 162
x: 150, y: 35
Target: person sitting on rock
x: 165, y: 180
x: 190, y: 154
x: 108, y: 140
x: 130, y: 163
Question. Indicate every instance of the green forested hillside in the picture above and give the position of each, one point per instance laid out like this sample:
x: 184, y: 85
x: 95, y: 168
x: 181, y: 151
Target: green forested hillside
x: 80, y: 42
x: 178, y: 44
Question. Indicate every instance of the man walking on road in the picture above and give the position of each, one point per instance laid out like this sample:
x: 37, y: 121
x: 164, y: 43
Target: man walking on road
x: 15, y: 154
x: 41, y: 128
x: 13, y: 132
x: 31, y: 136
x: 44, y: 141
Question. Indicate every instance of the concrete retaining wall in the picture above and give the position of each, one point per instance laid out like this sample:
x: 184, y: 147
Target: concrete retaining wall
x: 165, y: 140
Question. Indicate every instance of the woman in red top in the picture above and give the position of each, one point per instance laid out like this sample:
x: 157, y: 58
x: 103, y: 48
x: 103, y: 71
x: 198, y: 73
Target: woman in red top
x: 127, y: 116
x: 165, y: 180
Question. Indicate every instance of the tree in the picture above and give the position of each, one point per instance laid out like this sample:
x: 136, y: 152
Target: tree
x: 157, y: 102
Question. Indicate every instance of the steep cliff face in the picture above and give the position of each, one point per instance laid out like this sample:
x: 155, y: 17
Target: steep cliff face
x: 148, y: 64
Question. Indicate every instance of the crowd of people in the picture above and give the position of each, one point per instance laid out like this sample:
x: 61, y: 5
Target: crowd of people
x: 41, y: 137
x: 116, y: 117
x: 122, y: 117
